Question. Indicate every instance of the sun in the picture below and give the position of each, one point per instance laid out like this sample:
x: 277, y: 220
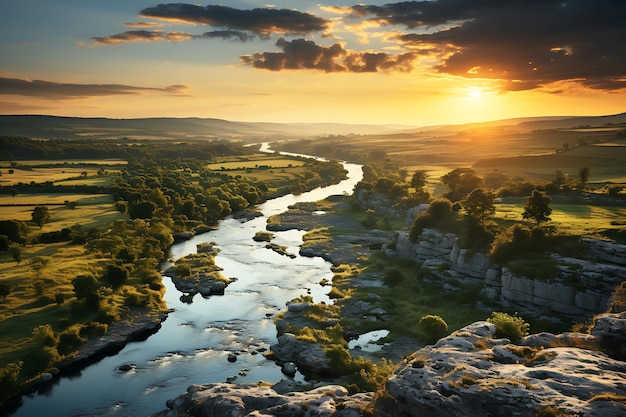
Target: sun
x: 475, y: 93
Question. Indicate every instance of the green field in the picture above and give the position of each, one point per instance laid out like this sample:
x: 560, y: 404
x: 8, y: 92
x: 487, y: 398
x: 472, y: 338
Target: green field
x: 570, y: 219
x: 258, y: 161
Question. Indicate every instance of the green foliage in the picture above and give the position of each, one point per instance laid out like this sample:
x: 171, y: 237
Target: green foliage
x: 40, y: 215
x: 439, y: 215
x: 509, y: 327
x: 5, y: 290
x: 433, y: 326
x: 115, y: 275
x: 479, y: 204
x: 45, y: 335
x: 69, y: 341
x: 9, y: 380
x: 511, y: 243
x: 85, y: 286
x: 393, y: 277
x: 538, y: 207
x: 461, y: 182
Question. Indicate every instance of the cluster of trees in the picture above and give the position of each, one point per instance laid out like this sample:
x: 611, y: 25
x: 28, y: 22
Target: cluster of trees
x: 470, y: 195
x: 389, y: 179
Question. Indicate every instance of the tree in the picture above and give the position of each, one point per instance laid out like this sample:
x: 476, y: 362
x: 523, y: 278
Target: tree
x: 38, y: 264
x: 461, y: 182
x: 142, y: 210
x: 538, y: 207
x: 16, y: 253
x: 418, y: 180
x: 40, y: 215
x: 115, y: 275
x: 583, y: 173
x: 85, y: 286
x: 479, y: 204
x: 5, y: 290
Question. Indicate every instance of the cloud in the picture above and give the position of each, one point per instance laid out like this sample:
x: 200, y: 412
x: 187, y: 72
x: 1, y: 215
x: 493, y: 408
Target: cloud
x: 142, y: 24
x: 228, y: 35
x: 63, y: 91
x: 142, y: 36
x: 305, y: 54
x: 158, y: 35
x: 524, y: 44
x: 262, y: 22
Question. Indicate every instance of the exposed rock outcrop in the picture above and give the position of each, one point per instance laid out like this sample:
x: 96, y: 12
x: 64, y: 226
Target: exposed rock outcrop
x: 471, y: 373
x: 225, y: 400
x: 581, y: 289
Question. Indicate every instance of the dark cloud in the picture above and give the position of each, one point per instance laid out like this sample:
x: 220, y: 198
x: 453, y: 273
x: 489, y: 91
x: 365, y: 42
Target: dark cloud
x: 262, y: 22
x: 524, y: 43
x: 142, y: 36
x: 56, y: 91
x: 305, y: 54
x: 158, y: 35
x: 228, y: 35
x: 142, y: 24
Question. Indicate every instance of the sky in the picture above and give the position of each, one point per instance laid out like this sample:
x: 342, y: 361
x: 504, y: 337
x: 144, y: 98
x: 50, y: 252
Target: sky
x: 413, y: 63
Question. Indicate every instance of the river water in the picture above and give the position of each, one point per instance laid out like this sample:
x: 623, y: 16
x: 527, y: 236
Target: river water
x: 194, y: 342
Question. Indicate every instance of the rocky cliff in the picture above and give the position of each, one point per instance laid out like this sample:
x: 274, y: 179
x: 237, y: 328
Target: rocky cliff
x: 580, y: 289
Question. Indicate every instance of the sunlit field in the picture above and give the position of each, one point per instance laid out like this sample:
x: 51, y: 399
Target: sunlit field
x: 92, y: 210
x: 570, y: 219
x: 260, y: 161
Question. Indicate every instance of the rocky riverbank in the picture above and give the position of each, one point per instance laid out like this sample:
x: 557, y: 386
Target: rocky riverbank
x: 140, y: 324
x: 470, y: 372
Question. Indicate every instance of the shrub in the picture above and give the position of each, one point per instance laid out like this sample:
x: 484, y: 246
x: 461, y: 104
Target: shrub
x: 434, y: 326
x: 9, y: 380
x: 45, y: 335
x: 393, y: 277
x: 509, y: 327
x: 70, y: 340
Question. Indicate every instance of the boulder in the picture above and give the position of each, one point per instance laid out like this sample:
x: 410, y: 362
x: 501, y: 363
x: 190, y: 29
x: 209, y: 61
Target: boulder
x: 306, y: 355
x: 226, y: 400
x: 471, y: 374
x: 610, y: 329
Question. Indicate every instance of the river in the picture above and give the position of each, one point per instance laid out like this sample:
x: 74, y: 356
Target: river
x: 193, y: 344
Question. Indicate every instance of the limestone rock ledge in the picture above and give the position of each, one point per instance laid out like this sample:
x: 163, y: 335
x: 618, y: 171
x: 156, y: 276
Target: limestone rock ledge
x: 226, y: 400
x: 471, y: 373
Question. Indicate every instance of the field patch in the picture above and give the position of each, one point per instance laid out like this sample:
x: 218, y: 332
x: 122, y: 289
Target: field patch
x: 570, y: 219
x: 92, y: 210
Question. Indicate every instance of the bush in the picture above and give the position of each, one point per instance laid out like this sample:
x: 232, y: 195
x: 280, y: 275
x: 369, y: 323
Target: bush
x: 45, y: 335
x: 69, y: 341
x: 9, y: 376
x: 438, y: 216
x: 509, y: 327
x: 434, y: 326
x: 393, y: 277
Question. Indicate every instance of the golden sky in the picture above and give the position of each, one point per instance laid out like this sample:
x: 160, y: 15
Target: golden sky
x: 412, y: 63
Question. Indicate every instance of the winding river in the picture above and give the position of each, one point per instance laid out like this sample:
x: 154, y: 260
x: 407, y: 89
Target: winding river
x: 193, y: 344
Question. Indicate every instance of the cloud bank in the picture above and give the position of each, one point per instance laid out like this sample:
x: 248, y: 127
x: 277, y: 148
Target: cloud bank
x: 262, y: 22
x: 518, y: 44
x: 305, y: 54
x: 60, y: 91
x: 524, y: 43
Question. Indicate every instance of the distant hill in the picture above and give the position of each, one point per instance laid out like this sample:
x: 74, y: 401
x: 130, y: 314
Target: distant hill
x: 49, y: 127
x: 535, y: 123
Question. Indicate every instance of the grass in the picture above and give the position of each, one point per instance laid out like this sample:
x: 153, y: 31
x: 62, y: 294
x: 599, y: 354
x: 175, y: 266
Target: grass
x: 92, y: 210
x: 25, y: 308
x: 569, y: 219
x: 256, y: 161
